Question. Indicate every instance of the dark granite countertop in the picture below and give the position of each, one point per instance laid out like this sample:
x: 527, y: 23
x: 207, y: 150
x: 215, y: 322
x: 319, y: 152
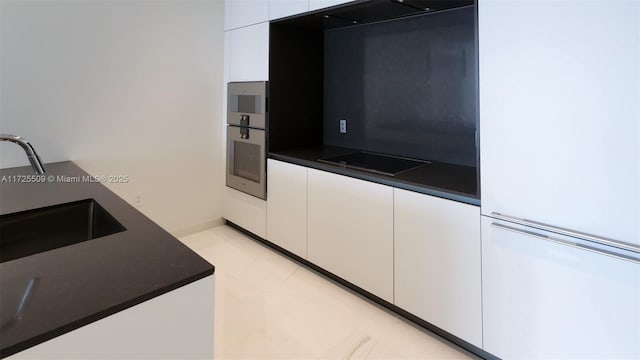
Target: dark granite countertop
x: 453, y: 182
x: 79, y: 284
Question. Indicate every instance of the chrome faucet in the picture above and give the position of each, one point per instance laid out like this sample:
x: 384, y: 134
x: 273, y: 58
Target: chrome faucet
x: 36, y: 164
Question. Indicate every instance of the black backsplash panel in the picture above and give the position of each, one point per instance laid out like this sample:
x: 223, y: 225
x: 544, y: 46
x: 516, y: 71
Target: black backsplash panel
x: 295, y: 86
x: 406, y: 87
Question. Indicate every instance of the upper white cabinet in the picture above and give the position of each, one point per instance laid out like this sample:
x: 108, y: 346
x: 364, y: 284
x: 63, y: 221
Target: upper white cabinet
x: 437, y: 262
x: 287, y: 206
x: 283, y: 8
x: 248, y: 57
x: 319, y: 4
x: 559, y: 113
x: 350, y: 230
x: 548, y: 300
x: 239, y: 13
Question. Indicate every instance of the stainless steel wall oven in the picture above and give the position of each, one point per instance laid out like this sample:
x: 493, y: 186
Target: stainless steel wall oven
x: 246, y: 137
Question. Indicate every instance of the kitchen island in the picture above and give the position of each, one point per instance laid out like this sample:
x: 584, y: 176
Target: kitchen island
x: 140, y: 291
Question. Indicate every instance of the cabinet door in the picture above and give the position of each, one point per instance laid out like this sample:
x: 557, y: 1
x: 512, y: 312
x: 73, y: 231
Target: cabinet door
x: 319, y: 4
x: 283, y: 8
x: 246, y: 211
x: 287, y: 206
x: 239, y: 13
x: 545, y: 300
x: 559, y: 114
x: 437, y: 262
x: 248, y: 53
x: 350, y: 230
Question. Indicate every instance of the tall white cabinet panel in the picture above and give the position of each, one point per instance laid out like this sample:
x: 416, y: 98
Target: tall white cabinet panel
x: 350, y: 230
x: 238, y: 13
x: 283, y: 8
x: 287, y: 206
x: 437, y: 262
x: 246, y: 211
x: 545, y: 300
x: 559, y: 113
x: 319, y: 4
x: 248, y: 53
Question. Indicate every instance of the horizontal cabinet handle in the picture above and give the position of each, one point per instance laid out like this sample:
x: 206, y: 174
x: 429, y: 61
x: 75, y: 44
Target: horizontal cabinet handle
x: 562, y: 231
x: 577, y: 245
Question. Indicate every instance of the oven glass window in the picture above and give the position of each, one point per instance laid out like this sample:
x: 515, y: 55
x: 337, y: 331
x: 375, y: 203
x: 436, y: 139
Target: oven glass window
x: 247, y: 104
x: 246, y: 161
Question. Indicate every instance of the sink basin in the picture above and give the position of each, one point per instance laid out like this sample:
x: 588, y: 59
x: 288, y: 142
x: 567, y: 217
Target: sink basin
x: 34, y: 231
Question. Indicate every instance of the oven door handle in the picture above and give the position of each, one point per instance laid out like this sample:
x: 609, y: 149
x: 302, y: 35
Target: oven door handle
x: 244, y: 133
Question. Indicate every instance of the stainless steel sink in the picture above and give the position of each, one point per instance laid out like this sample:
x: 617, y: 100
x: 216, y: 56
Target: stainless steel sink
x: 34, y: 231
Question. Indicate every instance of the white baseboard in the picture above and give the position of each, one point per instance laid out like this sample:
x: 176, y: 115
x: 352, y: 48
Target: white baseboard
x: 197, y: 228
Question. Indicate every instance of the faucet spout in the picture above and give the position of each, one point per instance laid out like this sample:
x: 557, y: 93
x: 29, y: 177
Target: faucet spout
x: 36, y: 164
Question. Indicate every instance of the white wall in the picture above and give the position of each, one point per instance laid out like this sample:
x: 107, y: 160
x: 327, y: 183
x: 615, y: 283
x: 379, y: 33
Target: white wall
x: 121, y: 87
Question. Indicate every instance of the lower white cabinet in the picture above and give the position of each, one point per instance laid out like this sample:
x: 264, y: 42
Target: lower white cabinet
x: 544, y: 299
x: 246, y: 211
x: 350, y: 230
x: 287, y: 206
x: 175, y: 325
x: 437, y: 262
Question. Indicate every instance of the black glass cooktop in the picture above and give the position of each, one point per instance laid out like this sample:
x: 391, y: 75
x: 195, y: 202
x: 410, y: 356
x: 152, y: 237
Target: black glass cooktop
x: 377, y: 163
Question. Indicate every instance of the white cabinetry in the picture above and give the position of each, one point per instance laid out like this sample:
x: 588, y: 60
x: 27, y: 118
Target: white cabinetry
x: 319, y: 4
x: 559, y: 121
x: 248, y: 58
x: 240, y: 13
x: 350, y: 230
x: 246, y: 211
x: 559, y: 113
x: 283, y: 8
x: 545, y: 300
x: 437, y: 262
x: 287, y: 206
x: 176, y: 325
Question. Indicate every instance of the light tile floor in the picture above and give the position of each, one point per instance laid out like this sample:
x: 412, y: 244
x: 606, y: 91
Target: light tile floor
x: 268, y: 306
